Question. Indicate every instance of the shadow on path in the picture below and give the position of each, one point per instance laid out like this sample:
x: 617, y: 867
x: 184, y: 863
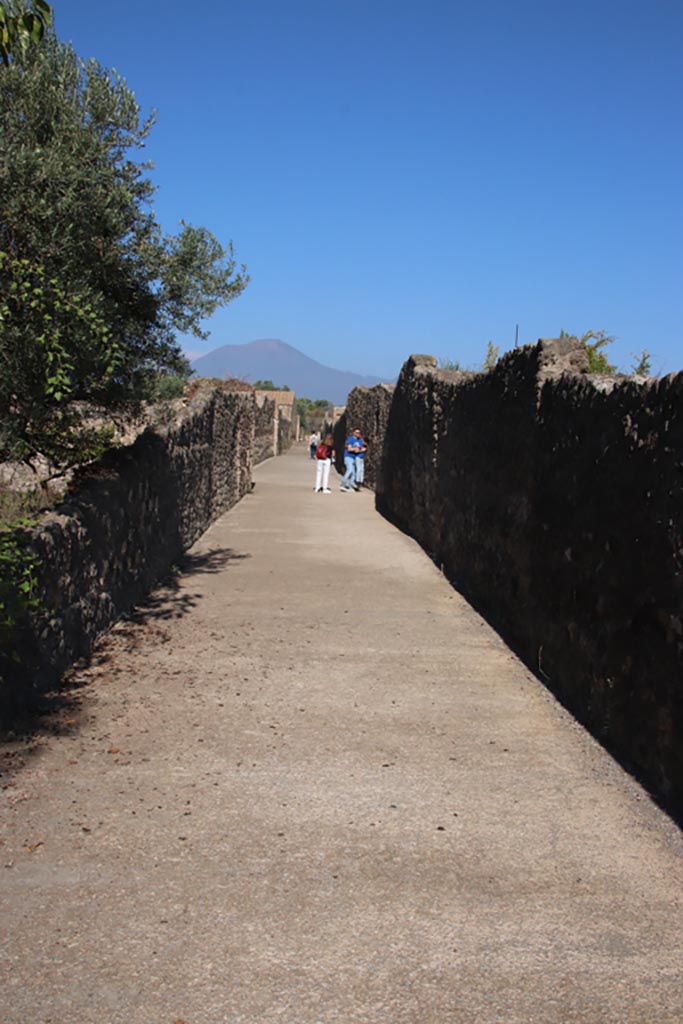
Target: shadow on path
x: 60, y: 711
x: 511, y: 641
x: 168, y: 601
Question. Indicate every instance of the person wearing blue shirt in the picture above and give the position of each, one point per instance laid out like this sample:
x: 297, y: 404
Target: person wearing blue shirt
x: 353, y: 445
x: 360, y: 462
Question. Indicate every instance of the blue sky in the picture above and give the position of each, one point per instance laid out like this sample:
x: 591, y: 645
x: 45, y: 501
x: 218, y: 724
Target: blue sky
x: 403, y: 177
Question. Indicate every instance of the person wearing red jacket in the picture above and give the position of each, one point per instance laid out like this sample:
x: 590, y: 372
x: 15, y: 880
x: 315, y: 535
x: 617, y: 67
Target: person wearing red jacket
x: 323, y: 461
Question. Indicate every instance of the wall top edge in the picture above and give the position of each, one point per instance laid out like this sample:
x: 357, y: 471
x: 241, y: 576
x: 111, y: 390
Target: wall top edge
x: 547, y: 360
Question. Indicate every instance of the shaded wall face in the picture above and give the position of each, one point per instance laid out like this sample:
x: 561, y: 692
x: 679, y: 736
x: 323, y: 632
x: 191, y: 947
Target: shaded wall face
x: 128, y: 520
x: 340, y: 433
x: 608, y: 565
x: 455, y: 472
x: 555, y: 504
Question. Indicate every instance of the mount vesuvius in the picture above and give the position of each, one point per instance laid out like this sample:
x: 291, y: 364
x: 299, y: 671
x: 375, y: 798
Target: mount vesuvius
x: 271, y: 359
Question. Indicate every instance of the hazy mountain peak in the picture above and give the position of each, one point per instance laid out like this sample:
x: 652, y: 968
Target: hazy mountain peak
x: 266, y: 345
x: 272, y: 359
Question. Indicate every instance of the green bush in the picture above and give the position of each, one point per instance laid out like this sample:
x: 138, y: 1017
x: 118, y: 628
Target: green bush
x: 168, y: 386
x: 17, y: 587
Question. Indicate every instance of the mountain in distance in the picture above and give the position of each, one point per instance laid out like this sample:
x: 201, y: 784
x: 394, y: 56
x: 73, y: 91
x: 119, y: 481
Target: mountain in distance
x: 271, y: 359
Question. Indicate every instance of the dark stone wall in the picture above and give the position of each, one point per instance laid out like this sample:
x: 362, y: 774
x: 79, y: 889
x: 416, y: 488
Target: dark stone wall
x: 340, y: 432
x: 554, y: 501
x: 127, y: 520
x: 608, y: 566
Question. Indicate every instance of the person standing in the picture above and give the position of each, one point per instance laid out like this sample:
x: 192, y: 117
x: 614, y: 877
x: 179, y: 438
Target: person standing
x: 313, y: 444
x: 353, y: 444
x: 324, y: 456
x: 360, y: 462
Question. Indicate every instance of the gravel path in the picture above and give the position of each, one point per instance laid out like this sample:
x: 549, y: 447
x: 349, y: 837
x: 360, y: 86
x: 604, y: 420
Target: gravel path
x: 309, y: 785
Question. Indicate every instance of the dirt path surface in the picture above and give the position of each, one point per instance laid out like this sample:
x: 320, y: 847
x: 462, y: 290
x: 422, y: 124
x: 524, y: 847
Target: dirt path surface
x: 310, y: 785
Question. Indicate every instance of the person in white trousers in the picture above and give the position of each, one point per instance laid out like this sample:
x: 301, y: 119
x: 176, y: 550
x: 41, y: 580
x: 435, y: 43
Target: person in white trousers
x: 323, y: 461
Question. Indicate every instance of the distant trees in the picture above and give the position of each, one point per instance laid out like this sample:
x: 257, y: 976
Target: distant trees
x: 311, y: 412
x: 92, y: 292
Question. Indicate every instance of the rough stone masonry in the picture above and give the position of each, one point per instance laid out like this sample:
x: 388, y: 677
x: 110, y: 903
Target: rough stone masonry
x: 127, y: 519
x: 553, y: 500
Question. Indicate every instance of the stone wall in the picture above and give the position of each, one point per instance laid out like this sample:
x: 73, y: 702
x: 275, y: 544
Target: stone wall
x: 554, y: 501
x: 340, y: 432
x: 265, y: 430
x: 287, y: 428
x: 277, y: 424
x: 127, y: 520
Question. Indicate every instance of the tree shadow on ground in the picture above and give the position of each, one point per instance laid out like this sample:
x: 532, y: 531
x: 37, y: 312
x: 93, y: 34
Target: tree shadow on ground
x: 62, y: 711
x: 211, y: 561
x: 168, y: 600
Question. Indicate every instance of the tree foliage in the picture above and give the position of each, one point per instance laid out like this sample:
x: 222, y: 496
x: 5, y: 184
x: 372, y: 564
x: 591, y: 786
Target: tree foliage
x: 312, y: 412
x: 267, y: 385
x: 642, y: 364
x: 595, y: 343
x: 92, y: 292
x: 20, y: 26
x: 18, y: 566
x: 491, y: 357
x: 39, y: 365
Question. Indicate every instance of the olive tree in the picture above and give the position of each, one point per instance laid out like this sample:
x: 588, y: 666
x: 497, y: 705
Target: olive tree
x: 92, y: 292
x: 20, y: 25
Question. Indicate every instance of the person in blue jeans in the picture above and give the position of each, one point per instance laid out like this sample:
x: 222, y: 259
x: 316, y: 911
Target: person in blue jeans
x: 360, y: 463
x: 353, y: 445
x: 313, y: 444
